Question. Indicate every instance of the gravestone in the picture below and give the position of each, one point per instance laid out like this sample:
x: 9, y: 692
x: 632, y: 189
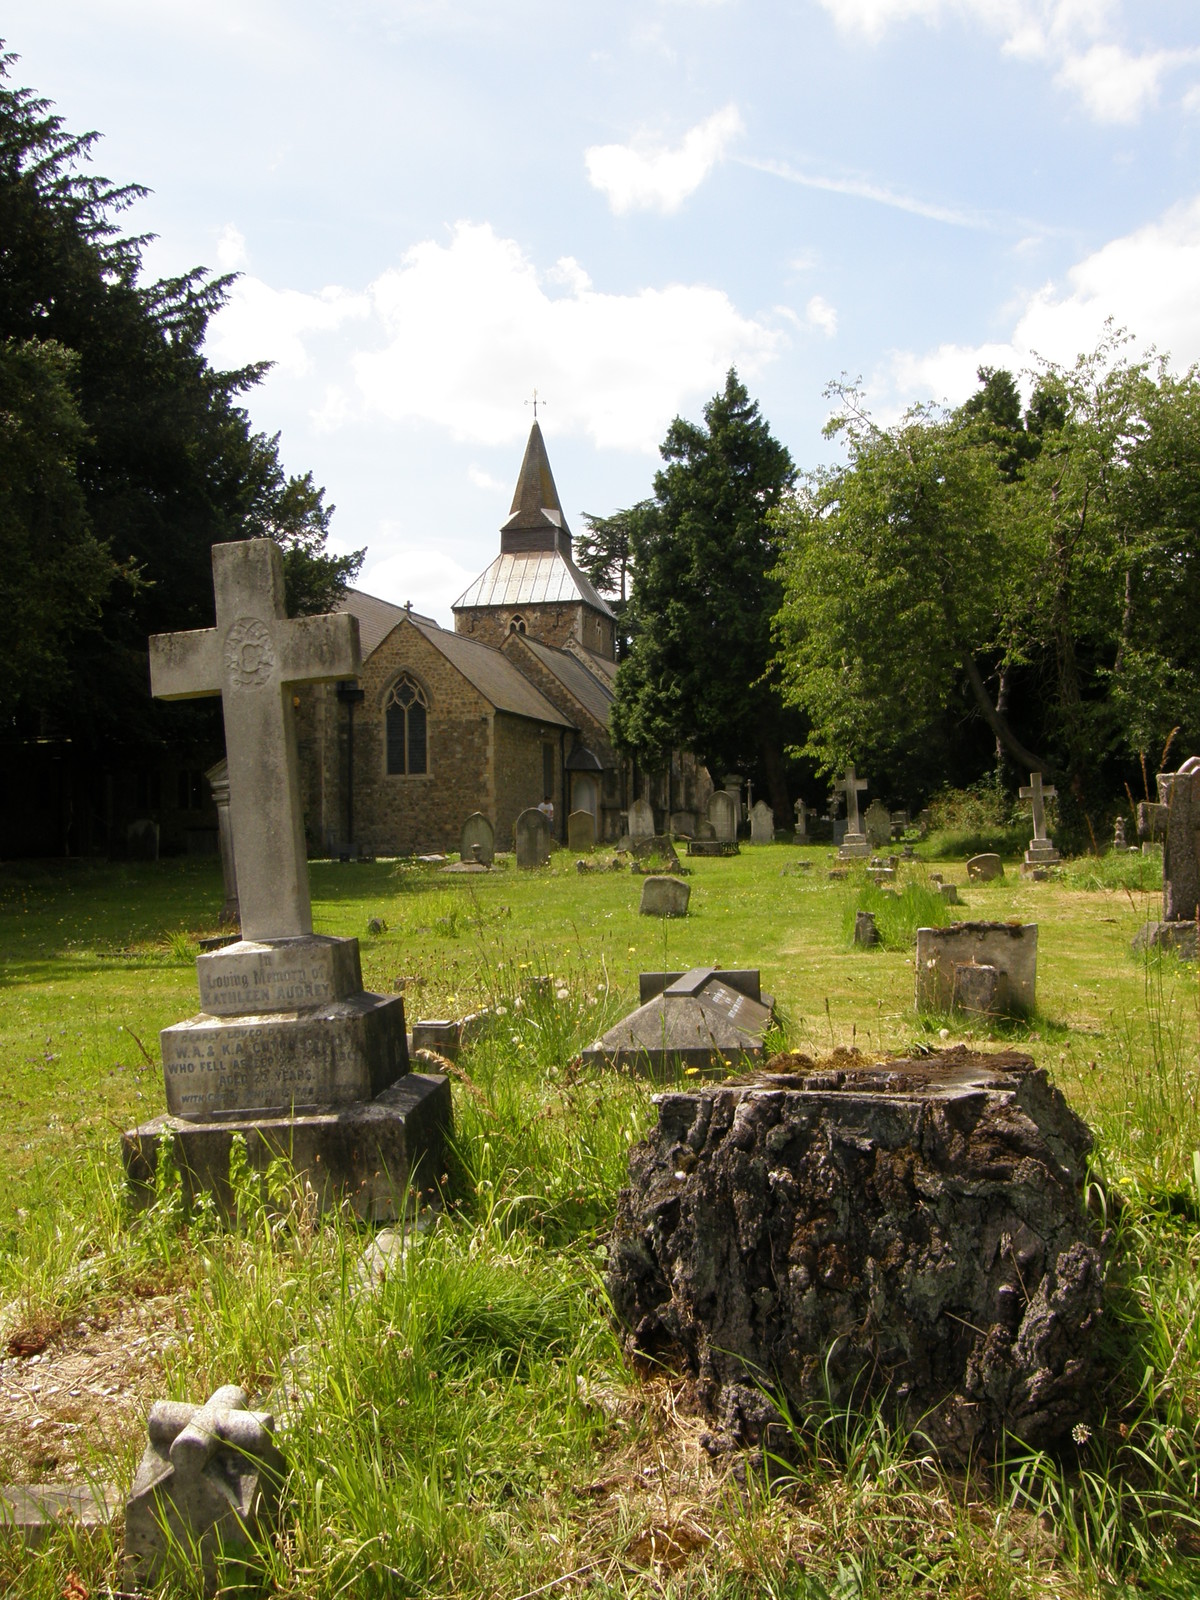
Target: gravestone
x: 1151, y: 821
x: 1119, y: 843
x: 532, y: 833
x: 801, y: 811
x: 208, y: 1483
x: 641, y: 820
x: 985, y: 868
x: 1010, y: 948
x: 1180, y: 792
x: 218, y: 782
x: 141, y: 840
x: 854, y: 841
x: 581, y: 832
x: 683, y: 823
x: 702, y: 1021
x: 1041, y: 852
x: 478, y: 840
x: 664, y: 896
x: 911, y: 1234
x: 877, y: 824
x: 288, y: 1051
x: 762, y: 823
x: 865, y: 931
x: 722, y: 814
x: 656, y: 854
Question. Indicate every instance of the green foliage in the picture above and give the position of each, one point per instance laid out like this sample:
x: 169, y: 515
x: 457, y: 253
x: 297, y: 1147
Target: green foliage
x: 605, y: 553
x: 126, y: 455
x: 982, y: 817
x: 897, y: 915
x: 703, y: 562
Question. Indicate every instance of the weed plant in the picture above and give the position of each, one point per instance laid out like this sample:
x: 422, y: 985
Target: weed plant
x: 897, y: 915
x: 1131, y: 871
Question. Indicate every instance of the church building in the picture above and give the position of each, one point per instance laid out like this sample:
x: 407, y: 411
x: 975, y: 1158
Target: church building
x: 508, y: 710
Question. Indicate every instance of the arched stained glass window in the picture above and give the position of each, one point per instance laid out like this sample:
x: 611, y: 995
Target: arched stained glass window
x: 406, y: 710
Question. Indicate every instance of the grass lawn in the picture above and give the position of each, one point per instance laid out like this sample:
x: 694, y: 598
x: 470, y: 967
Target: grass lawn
x: 474, y: 1428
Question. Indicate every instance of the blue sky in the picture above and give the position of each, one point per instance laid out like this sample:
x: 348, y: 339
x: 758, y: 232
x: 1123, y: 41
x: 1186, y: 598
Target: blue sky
x: 438, y: 206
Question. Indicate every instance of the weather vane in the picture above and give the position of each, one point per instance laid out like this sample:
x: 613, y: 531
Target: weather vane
x: 535, y: 403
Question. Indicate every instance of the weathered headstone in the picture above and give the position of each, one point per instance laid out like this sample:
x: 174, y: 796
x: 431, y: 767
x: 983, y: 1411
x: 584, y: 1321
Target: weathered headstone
x: 854, y: 841
x: 801, y: 811
x: 664, y: 896
x: 911, y: 1233
x: 985, y: 868
x: 641, y: 820
x: 208, y: 1485
x: 1151, y: 821
x: 700, y: 1021
x: 865, y: 931
x: 657, y: 854
x: 218, y: 782
x: 877, y: 824
x: 722, y: 814
x: 1008, y: 947
x: 288, y: 1051
x: 683, y: 823
x: 1041, y: 852
x: 762, y: 823
x: 581, y: 832
x: 1180, y: 792
x: 949, y: 893
x: 532, y: 834
x: 478, y: 840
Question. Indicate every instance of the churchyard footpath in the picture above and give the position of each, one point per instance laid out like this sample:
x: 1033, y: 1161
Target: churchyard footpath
x: 488, y: 1348
x: 288, y: 1053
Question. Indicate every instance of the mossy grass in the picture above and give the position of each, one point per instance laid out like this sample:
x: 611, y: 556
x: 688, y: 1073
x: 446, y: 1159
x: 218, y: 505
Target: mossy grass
x: 473, y: 1427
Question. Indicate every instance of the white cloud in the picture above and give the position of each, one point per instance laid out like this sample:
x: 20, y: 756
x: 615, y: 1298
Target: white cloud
x: 1077, y: 37
x: 231, y: 249
x: 478, y: 478
x: 467, y: 329
x: 647, y: 177
x: 822, y: 315
x: 428, y: 579
x: 260, y: 323
x: 1145, y: 281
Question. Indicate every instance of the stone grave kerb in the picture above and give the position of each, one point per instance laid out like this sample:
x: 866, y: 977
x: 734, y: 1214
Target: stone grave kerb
x: 253, y: 658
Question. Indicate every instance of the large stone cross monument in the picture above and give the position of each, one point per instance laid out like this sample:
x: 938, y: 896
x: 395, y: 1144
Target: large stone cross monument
x: 854, y: 842
x: 1041, y: 852
x: 251, y: 659
x: 288, y: 1050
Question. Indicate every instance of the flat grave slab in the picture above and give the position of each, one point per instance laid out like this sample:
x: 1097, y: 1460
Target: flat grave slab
x: 703, y: 1021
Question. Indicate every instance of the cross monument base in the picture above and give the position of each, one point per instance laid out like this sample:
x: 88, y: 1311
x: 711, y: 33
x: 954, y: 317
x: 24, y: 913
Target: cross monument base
x: 854, y: 847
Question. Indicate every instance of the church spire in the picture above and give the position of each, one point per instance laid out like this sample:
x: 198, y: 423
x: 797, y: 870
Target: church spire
x: 536, y: 520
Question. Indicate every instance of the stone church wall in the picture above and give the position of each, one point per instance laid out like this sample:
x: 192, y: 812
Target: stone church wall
x: 519, y: 768
x: 551, y: 624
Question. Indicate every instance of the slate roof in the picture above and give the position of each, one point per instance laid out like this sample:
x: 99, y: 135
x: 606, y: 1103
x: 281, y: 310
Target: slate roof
x: 493, y: 674
x: 536, y: 507
x: 376, y: 617
x: 530, y: 578
x: 593, y: 695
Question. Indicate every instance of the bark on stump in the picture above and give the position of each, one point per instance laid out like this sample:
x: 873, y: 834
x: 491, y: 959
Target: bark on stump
x: 908, y: 1231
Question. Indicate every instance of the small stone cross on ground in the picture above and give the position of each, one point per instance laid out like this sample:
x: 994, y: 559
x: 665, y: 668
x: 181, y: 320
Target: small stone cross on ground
x: 1035, y: 790
x: 852, y: 786
x: 252, y: 658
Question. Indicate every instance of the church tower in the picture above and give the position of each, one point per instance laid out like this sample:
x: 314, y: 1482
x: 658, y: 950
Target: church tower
x: 533, y: 587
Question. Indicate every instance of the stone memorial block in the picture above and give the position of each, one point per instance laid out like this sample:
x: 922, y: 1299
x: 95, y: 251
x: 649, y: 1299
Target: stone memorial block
x: 440, y: 1034
x: 854, y: 843
x: 478, y: 840
x: 877, y: 825
x: 1041, y: 852
x: 1151, y: 820
x: 705, y: 830
x: 32, y: 1512
x: 801, y: 811
x: 705, y: 1021
x: 978, y: 989
x: 762, y: 823
x: 865, y: 931
x: 288, y: 1051
x: 641, y: 820
x: 985, y: 868
x: 723, y: 815
x: 208, y: 1485
x: 533, y: 838
x: 581, y: 832
x: 713, y: 847
x: 911, y: 1234
x: 949, y: 893
x: 1009, y: 947
x: 664, y: 896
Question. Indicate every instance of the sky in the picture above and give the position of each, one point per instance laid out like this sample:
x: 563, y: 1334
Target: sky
x: 437, y: 207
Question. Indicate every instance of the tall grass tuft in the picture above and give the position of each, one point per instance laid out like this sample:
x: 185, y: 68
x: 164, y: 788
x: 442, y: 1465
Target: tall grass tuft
x: 897, y: 916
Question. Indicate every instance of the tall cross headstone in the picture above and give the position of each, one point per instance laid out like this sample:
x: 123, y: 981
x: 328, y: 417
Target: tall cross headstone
x: 252, y: 659
x: 1041, y: 852
x: 854, y: 840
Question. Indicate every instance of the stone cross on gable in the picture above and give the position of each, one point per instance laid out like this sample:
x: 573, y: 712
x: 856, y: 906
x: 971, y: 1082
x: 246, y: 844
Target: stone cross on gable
x: 251, y: 659
x: 1035, y: 790
x: 852, y: 786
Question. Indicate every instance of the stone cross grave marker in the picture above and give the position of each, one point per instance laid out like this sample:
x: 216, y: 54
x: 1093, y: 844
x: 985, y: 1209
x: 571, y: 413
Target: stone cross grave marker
x: 252, y: 658
x: 854, y: 840
x: 1041, y: 850
x: 801, y: 811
